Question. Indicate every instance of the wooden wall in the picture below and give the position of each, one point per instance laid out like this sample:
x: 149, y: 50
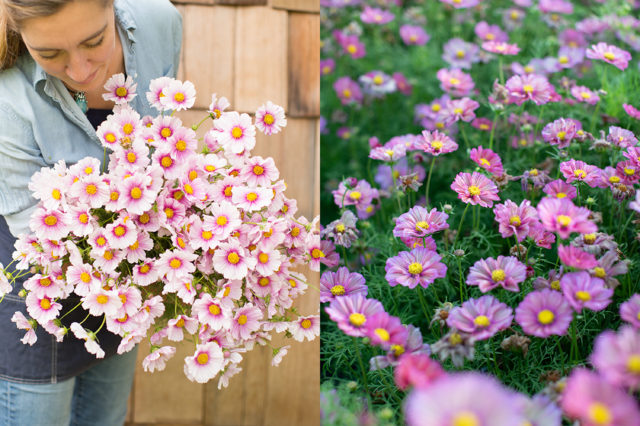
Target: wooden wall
x: 251, y: 51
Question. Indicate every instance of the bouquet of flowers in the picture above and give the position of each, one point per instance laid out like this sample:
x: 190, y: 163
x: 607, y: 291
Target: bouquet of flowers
x: 171, y: 240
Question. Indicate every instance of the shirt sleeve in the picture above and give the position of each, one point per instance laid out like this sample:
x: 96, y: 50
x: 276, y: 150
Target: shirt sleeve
x: 177, y: 37
x: 20, y: 158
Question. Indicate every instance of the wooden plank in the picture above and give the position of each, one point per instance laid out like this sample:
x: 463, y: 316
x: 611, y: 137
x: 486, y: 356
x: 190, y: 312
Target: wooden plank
x: 180, y: 73
x: 225, y: 2
x: 167, y: 396
x: 225, y: 407
x: 294, y: 152
x: 304, y: 65
x: 260, y: 58
x: 297, y: 5
x: 256, y: 365
x: 208, y: 47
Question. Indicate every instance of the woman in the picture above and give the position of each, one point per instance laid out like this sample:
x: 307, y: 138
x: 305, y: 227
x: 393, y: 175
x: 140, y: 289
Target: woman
x: 55, y: 57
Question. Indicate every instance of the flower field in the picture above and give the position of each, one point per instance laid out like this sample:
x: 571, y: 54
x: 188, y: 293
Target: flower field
x: 480, y: 167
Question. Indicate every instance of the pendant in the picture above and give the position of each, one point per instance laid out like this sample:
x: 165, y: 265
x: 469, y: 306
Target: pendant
x: 81, y: 100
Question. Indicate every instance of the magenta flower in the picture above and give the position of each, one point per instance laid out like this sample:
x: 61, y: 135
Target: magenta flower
x: 616, y: 356
x: 385, y: 330
x: 561, y: 132
x: 374, y: 15
x: 593, y: 401
x: 582, y: 290
x: 402, y: 84
x: 459, y: 53
x: 347, y: 90
x: 579, y: 170
x: 436, y: 143
x: 584, y: 94
x: 460, y: 109
x: 610, y: 54
x: 351, y: 313
x: 418, y: 222
x: 327, y: 66
x: 505, y: 271
x: 414, y: 35
x: 533, y: 87
x: 621, y: 137
x: 488, y: 32
x: 475, y: 189
x: 488, y: 160
x: 543, y: 313
x: 574, y: 257
x: 515, y: 219
x: 483, y: 124
x: 501, y: 47
x: 560, y: 189
x: 632, y: 111
x: 352, y: 45
x: 455, y: 82
x: 563, y: 217
x: 417, y: 370
x: 482, y: 317
x: 461, y: 4
x: 630, y: 311
x: 420, y: 266
x: 341, y: 283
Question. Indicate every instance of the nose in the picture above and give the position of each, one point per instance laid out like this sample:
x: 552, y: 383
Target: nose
x: 78, y: 68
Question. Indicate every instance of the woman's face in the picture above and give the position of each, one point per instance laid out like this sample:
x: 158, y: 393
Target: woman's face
x: 77, y: 44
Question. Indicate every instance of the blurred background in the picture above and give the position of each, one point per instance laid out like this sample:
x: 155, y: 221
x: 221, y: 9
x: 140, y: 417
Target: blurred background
x: 251, y: 51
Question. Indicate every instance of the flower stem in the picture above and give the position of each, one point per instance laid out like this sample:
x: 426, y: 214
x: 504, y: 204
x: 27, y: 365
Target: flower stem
x: 362, y: 369
x: 461, y: 280
x: 423, y: 302
x: 433, y: 160
x: 464, y: 213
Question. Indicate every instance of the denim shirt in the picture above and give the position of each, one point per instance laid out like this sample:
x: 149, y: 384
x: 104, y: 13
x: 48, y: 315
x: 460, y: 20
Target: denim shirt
x: 40, y: 124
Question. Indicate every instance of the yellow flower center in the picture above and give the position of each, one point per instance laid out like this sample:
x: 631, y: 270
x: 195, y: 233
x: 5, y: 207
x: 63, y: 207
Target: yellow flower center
x: 586, y: 95
x: 527, y: 88
x: 50, y: 220
x: 633, y: 364
x: 455, y: 339
x: 166, y: 132
x: 45, y: 304
x: 378, y: 80
x: 252, y: 196
x: 268, y: 119
x: 91, y: 189
x: 579, y: 173
x: 121, y: 92
x: 317, y: 253
x: 589, y: 238
x: 421, y: 225
x: 563, y: 59
x: 382, y: 334
x: 609, y: 56
x: 629, y: 171
x: 561, y: 134
x: 242, y: 319
x: 555, y: 284
x: 563, y: 220
x: 484, y: 162
x: 85, y: 277
x: 233, y: 258
x: 127, y: 129
x: 101, y: 241
x: 110, y: 137
x: 466, y: 418
x: 120, y: 230
x: 561, y: 195
x: 114, y: 196
x: 600, y: 414
x: 181, y: 145
x: 515, y: 220
x: 454, y: 81
x: 436, y: 107
x: 460, y: 54
x: 357, y: 319
x: 263, y: 257
x: 355, y: 195
x: 474, y: 190
x: 437, y: 145
x: 415, y: 268
x: 56, y: 194
x: 136, y: 193
x: 481, y: 321
x: 584, y: 296
x: 175, y: 263
x: 145, y: 268
x: 202, y: 359
x: 458, y: 111
x: 545, y: 317
x: 600, y: 272
x: 169, y: 212
x: 214, y: 309
x: 306, y: 323
x: 346, y: 93
x: 257, y: 170
x: 341, y: 228
x: 178, y: 97
x: 236, y: 132
x: 498, y: 275
x: 352, y: 49
x: 102, y: 299
x: 166, y: 161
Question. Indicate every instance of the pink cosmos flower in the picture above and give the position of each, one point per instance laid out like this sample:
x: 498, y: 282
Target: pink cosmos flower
x: 459, y: 53
x: 414, y: 35
x: 461, y: 4
x: 584, y: 94
x: 515, y: 219
x: 237, y: 133
x: 212, y: 312
x: 573, y: 170
x: 121, y: 233
x: 593, y: 401
x: 543, y: 313
x: 24, y: 324
x: 488, y: 160
x: 475, y: 189
x: 246, y: 321
x: 119, y: 90
x: 621, y: 137
x: 420, y: 266
x: 90, y: 342
x: 351, y: 313
x: 374, y: 15
x: 157, y: 359
x: 574, y: 257
x: 455, y: 82
x: 49, y: 224
x: 341, y: 283
x: 270, y: 118
x: 482, y: 317
x: 483, y: 124
x: 616, y: 356
x: 632, y: 111
x: 385, y: 330
x: 178, y: 95
x: 175, y: 264
x: 501, y: 47
x: 417, y: 370
x: 436, y: 143
x: 610, y: 54
x: 533, y: 87
x: 505, y: 271
x: 388, y: 154
x: 419, y: 222
x: 560, y: 189
x: 347, y: 90
x: 102, y: 302
x: 352, y: 45
x: 218, y: 105
x: 630, y: 310
x: 252, y: 198
x: 563, y: 217
x: 402, y: 84
x: 460, y: 109
x: 561, y: 132
x: 582, y: 290
x: 155, y: 93
x: 232, y: 261
x: 205, y: 363
x: 305, y: 328
x: 488, y: 32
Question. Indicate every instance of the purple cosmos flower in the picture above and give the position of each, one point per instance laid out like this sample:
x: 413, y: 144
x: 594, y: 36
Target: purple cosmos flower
x: 563, y: 217
x: 341, y: 283
x: 488, y: 32
x: 402, y: 84
x: 574, y: 257
x: 475, y: 188
x: 543, y: 313
x: 560, y: 132
x: 515, y: 219
x: 621, y: 137
x: 347, y: 90
x: 533, y: 87
x: 414, y: 345
x: 616, y: 356
x: 351, y: 313
x: 630, y: 172
x: 420, y: 266
x: 610, y: 54
x: 505, y: 271
x: 482, y: 123
x: 630, y: 311
x: 417, y: 370
x: 327, y: 66
x: 377, y: 83
x: 501, y: 47
x: 584, y: 94
x: 461, y: 4
x: 459, y: 109
x: 569, y: 57
x: 482, y: 317
x: 374, y: 15
x: 418, y: 222
x: 385, y: 330
x: 591, y: 400
x: 488, y: 160
x: 352, y: 45
x: 454, y: 400
x: 436, y: 143
x: 459, y: 53
x: 582, y: 290
x: 414, y: 35
x: 579, y: 170
x: 560, y: 189
x: 632, y: 111
x: 455, y: 82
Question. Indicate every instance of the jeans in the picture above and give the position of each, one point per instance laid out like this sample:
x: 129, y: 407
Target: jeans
x: 97, y: 397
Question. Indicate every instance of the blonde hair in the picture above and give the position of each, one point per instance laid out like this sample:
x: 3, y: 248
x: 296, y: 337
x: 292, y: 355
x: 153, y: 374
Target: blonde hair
x: 13, y: 13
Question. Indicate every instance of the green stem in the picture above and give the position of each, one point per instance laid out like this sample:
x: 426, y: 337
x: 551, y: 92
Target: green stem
x: 423, y: 302
x: 433, y: 161
x: 461, y: 280
x: 362, y: 369
x: 464, y: 213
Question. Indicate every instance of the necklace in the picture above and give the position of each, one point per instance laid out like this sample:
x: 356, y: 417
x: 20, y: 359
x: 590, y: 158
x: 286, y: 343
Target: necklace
x: 81, y: 101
